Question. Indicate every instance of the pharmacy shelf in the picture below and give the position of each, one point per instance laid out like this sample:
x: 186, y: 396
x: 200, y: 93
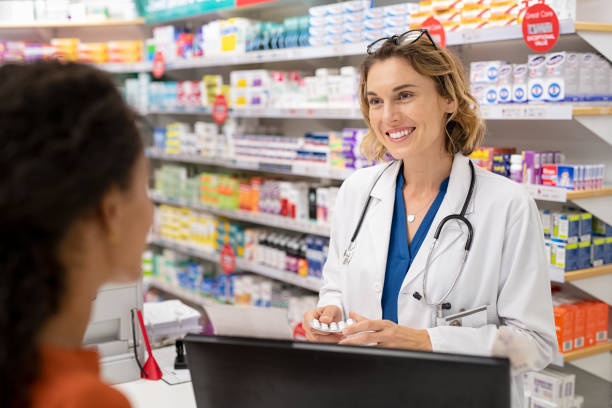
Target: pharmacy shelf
x: 76, y: 23
x: 270, y: 220
x: 266, y: 56
x: 549, y: 111
x: 303, y: 170
x: 183, y: 293
x: 561, y: 195
x: 309, y: 283
x: 588, y: 351
x: 560, y: 358
x: 558, y: 275
x: 126, y: 67
x: 278, y: 113
x: 342, y: 50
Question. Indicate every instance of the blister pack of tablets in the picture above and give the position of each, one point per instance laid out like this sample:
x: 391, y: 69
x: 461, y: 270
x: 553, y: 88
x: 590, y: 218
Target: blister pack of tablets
x: 333, y: 327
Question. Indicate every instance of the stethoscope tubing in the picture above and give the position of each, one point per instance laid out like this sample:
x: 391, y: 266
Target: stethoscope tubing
x: 459, y: 217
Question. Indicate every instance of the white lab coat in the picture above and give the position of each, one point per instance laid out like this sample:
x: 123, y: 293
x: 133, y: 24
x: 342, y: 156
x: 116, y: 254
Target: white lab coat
x: 506, y: 268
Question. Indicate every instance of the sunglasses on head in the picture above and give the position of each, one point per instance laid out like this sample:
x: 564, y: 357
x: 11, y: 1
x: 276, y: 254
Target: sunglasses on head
x: 408, y: 37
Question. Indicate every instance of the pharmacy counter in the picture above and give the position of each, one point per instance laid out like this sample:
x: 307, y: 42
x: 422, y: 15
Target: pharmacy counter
x: 159, y: 394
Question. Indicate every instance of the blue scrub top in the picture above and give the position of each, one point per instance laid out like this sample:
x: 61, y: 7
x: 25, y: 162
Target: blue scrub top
x: 401, y: 254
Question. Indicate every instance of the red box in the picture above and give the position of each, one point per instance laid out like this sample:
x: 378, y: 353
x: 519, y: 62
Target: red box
x: 549, y: 175
x: 564, y: 326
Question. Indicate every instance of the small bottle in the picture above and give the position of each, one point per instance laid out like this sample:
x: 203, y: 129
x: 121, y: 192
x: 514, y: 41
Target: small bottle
x: 516, y: 168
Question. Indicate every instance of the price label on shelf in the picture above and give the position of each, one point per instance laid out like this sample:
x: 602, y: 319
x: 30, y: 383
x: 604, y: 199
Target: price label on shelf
x: 436, y: 30
x: 540, y: 27
x: 547, y: 193
x: 227, y: 259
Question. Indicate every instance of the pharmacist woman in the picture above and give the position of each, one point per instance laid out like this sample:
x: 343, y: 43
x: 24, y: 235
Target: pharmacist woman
x: 488, y: 268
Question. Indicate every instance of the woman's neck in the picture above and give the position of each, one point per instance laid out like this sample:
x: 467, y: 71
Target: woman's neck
x: 424, y: 174
x: 67, y: 327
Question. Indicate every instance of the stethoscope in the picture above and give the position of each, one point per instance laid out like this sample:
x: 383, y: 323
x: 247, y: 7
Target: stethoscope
x: 440, y: 305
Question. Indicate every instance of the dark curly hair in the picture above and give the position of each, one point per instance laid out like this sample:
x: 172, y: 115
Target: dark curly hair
x: 66, y: 137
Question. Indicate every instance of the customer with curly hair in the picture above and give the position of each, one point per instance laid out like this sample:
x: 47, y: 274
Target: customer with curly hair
x: 74, y: 214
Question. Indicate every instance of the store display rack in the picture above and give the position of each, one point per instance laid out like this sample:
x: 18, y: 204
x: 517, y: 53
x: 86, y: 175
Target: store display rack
x: 547, y: 111
x: 459, y: 38
x: 302, y: 170
x: 182, y: 293
x: 308, y: 282
x: 270, y: 220
x: 74, y: 23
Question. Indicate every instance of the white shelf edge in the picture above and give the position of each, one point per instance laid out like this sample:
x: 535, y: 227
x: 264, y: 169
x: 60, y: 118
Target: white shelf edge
x: 296, y: 170
x: 457, y: 38
x: 556, y: 274
x: 309, y: 283
x: 125, y: 68
x: 547, y: 193
x: 178, y: 291
x: 278, y: 113
x: 509, y: 111
x: 527, y: 111
x: 255, y: 218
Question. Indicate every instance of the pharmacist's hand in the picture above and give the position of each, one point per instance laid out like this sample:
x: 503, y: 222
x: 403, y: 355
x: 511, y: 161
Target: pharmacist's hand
x: 325, y: 314
x: 384, y: 333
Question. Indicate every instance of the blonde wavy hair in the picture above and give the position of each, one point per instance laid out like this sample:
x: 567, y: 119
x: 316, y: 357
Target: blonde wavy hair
x: 464, y: 128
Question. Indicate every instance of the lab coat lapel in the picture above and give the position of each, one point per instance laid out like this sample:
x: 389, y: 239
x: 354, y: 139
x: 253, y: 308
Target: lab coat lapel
x: 379, y: 220
x: 456, y: 193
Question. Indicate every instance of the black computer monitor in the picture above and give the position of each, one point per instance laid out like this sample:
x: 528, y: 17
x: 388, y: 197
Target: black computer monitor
x: 258, y: 373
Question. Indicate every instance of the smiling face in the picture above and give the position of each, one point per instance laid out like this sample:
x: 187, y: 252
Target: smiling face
x: 406, y: 113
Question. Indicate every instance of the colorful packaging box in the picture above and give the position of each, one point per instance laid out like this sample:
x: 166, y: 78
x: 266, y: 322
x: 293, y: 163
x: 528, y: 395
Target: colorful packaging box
x: 564, y: 327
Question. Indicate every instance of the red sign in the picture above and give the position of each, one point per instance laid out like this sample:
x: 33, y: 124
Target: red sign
x: 436, y: 30
x: 540, y: 27
x: 220, y: 109
x: 243, y: 3
x: 228, y: 259
x: 159, y: 64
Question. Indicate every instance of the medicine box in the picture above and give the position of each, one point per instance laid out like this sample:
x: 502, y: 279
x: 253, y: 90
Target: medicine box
x: 608, y: 251
x: 586, y: 226
x: 584, y: 255
x: 564, y: 327
x: 598, y: 252
x: 485, y: 71
x: 546, y: 387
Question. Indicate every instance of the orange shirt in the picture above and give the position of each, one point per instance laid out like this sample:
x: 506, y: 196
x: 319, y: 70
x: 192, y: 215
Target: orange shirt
x: 70, y: 378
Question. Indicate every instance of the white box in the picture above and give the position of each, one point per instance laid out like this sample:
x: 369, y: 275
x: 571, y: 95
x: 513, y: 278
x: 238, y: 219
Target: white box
x: 572, y: 62
x: 356, y: 6
x: 536, y: 87
x: 535, y: 402
x: 556, y: 64
x: 504, y: 84
x: 397, y: 10
x: 586, y: 79
x: 491, y: 96
x: 520, y: 73
x: 478, y: 91
x: 554, y: 89
x: 537, y: 65
x: 375, y: 13
x: 485, y: 71
x: 600, y: 78
x: 546, y: 386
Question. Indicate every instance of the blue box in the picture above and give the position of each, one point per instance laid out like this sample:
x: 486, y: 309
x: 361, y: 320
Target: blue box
x: 566, y: 175
x: 564, y: 255
x: 598, y: 251
x: 584, y: 255
x: 608, y: 251
x: 586, y: 226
